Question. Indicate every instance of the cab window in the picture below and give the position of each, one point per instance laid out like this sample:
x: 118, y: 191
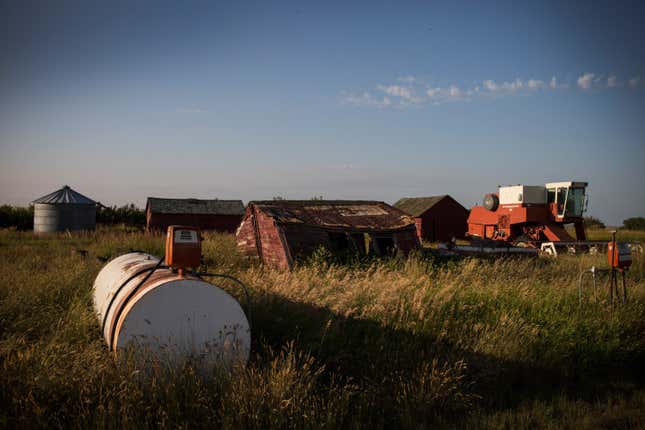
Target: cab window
x: 550, y: 195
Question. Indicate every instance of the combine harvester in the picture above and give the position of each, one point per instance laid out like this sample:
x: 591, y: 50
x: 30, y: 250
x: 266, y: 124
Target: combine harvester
x: 529, y: 219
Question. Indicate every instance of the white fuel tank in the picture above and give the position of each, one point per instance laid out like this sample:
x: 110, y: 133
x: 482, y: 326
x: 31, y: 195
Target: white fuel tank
x: 183, y: 316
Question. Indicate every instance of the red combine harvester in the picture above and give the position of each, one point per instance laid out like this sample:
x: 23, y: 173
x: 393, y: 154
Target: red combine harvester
x: 532, y: 216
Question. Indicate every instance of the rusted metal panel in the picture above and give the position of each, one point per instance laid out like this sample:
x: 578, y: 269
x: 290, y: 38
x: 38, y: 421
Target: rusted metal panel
x: 356, y: 215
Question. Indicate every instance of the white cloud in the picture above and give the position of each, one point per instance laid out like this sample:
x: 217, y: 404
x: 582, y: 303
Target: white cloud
x: 364, y: 99
x: 491, y: 85
x: 585, y: 81
x: 454, y: 91
x: 396, y: 91
x: 417, y: 93
x: 516, y: 85
x: 535, y: 84
x: 433, y: 92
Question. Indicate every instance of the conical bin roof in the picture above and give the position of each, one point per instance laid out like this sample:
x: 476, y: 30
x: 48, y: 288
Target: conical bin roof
x: 65, y: 196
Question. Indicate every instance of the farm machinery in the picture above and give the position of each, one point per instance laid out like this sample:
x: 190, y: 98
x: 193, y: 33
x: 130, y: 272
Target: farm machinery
x: 534, y: 218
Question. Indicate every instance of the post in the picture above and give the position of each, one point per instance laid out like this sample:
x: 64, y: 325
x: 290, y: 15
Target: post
x: 624, y: 288
x: 613, y: 281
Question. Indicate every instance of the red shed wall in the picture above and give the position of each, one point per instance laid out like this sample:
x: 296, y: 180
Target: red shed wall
x: 407, y: 240
x: 245, y: 236
x: 224, y: 223
x: 443, y: 221
x: 273, y: 245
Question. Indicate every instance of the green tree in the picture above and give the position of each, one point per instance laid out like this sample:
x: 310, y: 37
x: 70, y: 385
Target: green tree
x: 635, y: 223
x: 593, y: 222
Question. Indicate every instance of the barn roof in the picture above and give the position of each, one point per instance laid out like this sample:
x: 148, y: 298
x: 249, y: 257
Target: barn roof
x: 344, y: 214
x: 65, y: 196
x: 195, y: 206
x: 416, y: 206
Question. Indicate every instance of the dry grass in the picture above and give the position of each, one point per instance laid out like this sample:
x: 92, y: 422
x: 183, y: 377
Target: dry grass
x: 416, y: 343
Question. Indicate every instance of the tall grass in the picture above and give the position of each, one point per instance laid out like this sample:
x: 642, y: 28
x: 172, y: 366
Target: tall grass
x: 417, y: 343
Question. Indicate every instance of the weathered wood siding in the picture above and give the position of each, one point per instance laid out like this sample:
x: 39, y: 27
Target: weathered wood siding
x: 442, y: 222
x: 222, y: 223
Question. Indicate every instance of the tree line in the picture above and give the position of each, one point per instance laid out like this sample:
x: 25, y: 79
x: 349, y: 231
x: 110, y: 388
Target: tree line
x: 22, y: 218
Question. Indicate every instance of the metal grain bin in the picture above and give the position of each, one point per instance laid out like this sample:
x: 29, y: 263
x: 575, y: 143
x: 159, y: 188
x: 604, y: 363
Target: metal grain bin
x: 64, y: 210
x: 170, y: 315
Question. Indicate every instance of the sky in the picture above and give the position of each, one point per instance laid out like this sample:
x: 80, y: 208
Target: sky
x: 345, y: 100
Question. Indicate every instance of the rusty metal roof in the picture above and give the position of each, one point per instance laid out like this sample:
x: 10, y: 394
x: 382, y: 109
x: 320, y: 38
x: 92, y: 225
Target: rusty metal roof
x: 195, y: 206
x: 65, y: 196
x: 343, y: 214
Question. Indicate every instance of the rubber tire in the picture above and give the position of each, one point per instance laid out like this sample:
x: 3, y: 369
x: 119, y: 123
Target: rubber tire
x: 491, y: 202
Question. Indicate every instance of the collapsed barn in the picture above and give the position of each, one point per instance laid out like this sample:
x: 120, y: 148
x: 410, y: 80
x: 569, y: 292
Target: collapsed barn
x: 438, y: 218
x: 218, y: 215
x: 283, y: 231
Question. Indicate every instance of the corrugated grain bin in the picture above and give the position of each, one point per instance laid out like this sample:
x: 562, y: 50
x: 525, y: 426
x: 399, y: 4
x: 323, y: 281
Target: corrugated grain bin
x: 64, y: 210
x: 183, y: 316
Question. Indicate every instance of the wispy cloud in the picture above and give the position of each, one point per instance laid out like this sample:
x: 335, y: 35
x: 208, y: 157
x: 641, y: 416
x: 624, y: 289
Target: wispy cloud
x: 585, y: 81
x: 396, y: 91
x: 364, y: 99
x: 412, y: 91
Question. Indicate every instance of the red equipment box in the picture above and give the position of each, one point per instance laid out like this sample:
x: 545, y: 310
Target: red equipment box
x: 183, y: 247
x: 619, y: 255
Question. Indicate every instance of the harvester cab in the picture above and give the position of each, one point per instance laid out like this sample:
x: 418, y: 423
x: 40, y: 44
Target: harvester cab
x: 566, y: 200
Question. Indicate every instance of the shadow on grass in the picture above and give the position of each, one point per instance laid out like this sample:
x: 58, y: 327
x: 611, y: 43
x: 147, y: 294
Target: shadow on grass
x: 373, y: 356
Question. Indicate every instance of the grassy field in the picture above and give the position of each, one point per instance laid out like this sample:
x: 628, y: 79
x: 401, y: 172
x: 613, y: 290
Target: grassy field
x: 419, y: 343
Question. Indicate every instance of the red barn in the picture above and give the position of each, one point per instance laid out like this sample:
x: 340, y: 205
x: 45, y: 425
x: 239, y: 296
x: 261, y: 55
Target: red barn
x: 438, y: 218
x: 218, y: 215
x: 282, y: 231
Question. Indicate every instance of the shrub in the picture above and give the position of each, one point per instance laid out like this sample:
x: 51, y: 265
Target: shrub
x: 593, y: 222
x: 19, y: 217
x: 636, y: 223
x: 126, y: 214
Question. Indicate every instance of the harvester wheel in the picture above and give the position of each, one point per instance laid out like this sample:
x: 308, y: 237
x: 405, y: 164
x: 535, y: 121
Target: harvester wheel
x: 491, y: 202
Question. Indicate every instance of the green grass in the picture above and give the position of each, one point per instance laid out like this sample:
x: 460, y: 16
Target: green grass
x: 418, y: 343
x: 621, y: 235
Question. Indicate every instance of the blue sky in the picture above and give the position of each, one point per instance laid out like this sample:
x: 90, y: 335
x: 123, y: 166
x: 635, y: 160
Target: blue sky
x: 368, y: 100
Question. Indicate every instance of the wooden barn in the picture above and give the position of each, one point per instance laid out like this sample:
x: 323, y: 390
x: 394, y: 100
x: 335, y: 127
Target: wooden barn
x: 438, y: 218
x: 218, y: 215
x: 282, y: 231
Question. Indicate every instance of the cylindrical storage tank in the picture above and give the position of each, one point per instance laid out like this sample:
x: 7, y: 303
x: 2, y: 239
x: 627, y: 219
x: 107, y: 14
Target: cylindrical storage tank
x: 170, y: 315
x: 64, y: 210
x: 50, y: 218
